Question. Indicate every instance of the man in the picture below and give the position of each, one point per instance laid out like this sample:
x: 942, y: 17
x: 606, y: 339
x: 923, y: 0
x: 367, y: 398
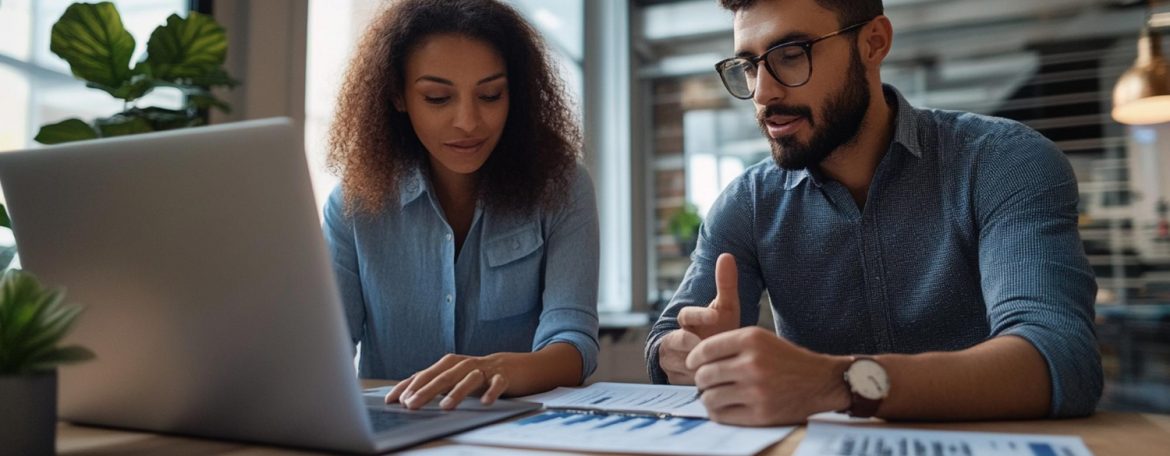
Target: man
x: 942, y: 245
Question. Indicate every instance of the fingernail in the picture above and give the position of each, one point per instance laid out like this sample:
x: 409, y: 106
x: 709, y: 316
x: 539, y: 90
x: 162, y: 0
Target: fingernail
x: 446, y: 403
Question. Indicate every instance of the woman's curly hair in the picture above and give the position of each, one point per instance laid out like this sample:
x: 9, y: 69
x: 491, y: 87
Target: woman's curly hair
x: 373, y: 146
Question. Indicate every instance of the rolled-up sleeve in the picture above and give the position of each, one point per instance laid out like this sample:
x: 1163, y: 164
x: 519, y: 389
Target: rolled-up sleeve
x: 571, y: 274
x: 727, y: 229
x: 1036, y: 280
x: 339, y: 235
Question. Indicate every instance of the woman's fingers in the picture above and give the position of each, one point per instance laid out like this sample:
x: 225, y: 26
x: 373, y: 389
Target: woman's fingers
x: 441, y: 383
x: 498, y: 385
x: 426, y: 377
x: 471, y: 382
x: 396, y: 393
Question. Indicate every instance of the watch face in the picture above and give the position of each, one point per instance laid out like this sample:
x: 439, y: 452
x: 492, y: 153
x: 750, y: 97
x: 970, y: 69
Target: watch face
x: 868, y: 378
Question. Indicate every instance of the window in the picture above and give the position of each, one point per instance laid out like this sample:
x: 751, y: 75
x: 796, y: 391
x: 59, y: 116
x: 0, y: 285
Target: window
x: 38, y: 87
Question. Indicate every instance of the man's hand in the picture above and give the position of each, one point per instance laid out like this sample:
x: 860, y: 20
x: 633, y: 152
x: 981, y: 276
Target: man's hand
x: 457, y: 376
x: 752, y: 377
x: 722, y: 314
x: 672, y: 356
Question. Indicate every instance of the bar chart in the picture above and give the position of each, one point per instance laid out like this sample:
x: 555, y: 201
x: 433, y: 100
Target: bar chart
x: 625, y: 432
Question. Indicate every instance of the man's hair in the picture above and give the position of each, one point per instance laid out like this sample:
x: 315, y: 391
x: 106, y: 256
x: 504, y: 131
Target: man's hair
x: 848, y: 12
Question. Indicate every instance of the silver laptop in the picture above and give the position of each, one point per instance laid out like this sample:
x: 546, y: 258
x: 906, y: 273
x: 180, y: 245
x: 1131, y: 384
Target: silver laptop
x: 209, y: 295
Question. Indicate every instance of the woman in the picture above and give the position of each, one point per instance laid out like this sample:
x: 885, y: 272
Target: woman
x: 464, y: 233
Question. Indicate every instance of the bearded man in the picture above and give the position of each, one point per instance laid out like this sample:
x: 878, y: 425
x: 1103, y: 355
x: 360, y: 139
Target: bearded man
x: 921, y: 264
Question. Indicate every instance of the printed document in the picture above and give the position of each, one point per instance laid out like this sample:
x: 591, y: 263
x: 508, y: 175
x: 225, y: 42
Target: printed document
x: 665, y: 400
x: 843, y: 440
x: 625, y: 433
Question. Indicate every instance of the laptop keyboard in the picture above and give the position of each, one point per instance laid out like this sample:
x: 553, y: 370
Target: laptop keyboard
x: 384, y: 420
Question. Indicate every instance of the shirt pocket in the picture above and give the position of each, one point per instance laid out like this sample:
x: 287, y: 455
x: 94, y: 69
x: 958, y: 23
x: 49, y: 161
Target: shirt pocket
x: 511, y: 285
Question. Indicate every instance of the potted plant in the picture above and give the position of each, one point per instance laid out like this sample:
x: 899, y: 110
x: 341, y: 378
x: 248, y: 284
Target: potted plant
x: 185, y: 54
x: 33, y: 320
x: 684, y: 225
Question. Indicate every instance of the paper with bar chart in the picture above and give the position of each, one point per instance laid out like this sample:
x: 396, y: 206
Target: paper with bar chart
x: 677, y: 401
x: 843, y: 440
x: 625, y: 433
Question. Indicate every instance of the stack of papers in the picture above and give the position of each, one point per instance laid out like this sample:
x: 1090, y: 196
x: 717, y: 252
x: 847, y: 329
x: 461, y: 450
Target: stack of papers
x: 626, y: 418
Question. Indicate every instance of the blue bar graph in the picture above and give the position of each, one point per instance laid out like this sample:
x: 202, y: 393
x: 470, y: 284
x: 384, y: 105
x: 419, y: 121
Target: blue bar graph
x: 646, y: 422
x: 1042, y: 449
x: 619, y: 420
x: 546, y: 416
x: 583, y: 419
x: 686, y: 424
x: 625, y: 432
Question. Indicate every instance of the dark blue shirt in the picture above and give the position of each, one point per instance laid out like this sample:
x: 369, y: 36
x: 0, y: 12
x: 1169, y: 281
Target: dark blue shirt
x: 969, y: 232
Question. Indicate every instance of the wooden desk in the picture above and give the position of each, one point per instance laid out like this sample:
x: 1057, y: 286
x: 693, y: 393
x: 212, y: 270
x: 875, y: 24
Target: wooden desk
x: 1106, y: 434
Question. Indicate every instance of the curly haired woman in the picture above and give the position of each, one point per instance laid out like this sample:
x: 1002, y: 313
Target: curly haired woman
x: 464, y: 232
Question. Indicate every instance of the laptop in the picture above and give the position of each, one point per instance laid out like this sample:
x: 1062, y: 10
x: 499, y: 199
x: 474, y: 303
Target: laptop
x: 208, y: 290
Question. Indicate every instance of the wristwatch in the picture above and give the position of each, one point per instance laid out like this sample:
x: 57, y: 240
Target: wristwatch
x: 868, y: 384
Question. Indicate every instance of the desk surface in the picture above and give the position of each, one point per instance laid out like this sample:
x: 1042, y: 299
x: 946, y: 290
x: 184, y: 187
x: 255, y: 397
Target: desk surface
x: 1105, y: 433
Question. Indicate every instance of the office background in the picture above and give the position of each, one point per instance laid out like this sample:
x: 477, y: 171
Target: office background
x: 662, y: 134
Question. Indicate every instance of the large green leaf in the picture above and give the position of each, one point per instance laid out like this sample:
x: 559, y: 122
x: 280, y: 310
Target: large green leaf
x: 169, y: 119
x: 4, y: 220
x: 186, y: 49
x: 208, y: 102
x: 132, y: 89
x: 219, y: 77
x: 66, y: 131
x: 70, y: 354
x: 121, y: 124
x: 98, y: 48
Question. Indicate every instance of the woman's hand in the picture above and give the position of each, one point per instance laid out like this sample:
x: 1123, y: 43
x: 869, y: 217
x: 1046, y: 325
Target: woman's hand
x: 457, y: 376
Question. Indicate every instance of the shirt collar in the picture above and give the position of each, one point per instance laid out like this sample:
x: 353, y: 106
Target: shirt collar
x: 905, y: 135
x: 905, y: 122
x: 413, y: 186
x: 416, y: 184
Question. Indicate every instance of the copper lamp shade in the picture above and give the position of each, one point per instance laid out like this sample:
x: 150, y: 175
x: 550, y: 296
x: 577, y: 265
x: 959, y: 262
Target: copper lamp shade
x: 1142, y: 94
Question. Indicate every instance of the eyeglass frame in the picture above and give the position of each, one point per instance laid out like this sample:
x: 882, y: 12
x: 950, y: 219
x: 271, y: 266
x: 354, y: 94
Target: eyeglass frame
x: 805, y: 45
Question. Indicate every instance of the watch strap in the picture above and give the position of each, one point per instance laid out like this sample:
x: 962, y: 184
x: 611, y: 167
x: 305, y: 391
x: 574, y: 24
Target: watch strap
x: 860, y: 406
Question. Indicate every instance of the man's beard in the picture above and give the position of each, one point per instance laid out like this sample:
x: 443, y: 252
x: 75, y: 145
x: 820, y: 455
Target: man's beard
x: 844, y: 114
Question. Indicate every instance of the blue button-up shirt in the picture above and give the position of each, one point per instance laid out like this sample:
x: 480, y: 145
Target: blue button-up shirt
x: 969, y: 232
x: 519, y: 283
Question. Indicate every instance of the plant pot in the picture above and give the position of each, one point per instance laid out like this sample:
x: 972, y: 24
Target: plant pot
x: 28, y: 413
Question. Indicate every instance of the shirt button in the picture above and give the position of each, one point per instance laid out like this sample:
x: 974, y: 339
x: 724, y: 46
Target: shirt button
x: 515, y: 245
x: 448, y: 236
x: 448, y: 299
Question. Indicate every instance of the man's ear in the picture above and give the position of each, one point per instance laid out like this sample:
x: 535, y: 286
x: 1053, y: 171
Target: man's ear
x: 877, y: 38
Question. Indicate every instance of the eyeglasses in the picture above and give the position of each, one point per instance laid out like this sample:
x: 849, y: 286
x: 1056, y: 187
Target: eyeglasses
x: 789, y: 63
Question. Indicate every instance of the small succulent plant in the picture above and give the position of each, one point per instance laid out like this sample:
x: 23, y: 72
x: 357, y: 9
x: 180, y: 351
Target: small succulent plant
x: 33, y: 320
